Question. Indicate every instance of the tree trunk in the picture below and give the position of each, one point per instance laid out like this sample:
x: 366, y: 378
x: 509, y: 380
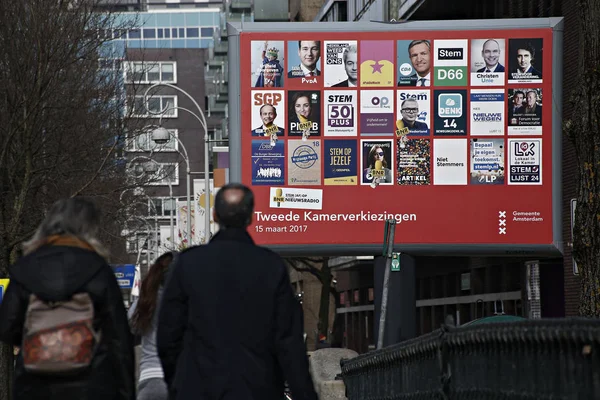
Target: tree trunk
x: 324, y: 304
x: 6, y: 371
x: 584, y: 131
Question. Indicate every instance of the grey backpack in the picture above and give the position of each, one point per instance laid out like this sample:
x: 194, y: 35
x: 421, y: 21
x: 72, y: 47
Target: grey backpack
x: 59, y: 337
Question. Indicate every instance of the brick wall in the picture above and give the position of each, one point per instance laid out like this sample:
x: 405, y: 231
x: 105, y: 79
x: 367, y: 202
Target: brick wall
x: 309, y: 9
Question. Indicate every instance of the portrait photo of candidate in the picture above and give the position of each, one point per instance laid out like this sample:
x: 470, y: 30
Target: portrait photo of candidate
x: 267, y: 64
x: 525, y: 62
x: 304, y: 58
x: 350, y: 60
x: 304, y: 114
x: 487, y: 55
x: 532, y: 105
x: 515, y: 102
x: 419, y: 55
x: 409, y: 124
x: 268, y: 114
x: 377, y: 157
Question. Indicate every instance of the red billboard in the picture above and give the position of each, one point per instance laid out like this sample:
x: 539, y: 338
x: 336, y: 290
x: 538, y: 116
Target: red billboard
x: 450, y: 132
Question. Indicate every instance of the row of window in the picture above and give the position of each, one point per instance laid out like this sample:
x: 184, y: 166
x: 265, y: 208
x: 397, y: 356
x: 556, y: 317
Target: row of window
x: 158, y: 33
x: 156, y: 106
x: 165, y: 174
x: 143, y: 142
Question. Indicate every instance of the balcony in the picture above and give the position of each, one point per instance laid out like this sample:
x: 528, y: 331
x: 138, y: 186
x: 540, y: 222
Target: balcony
x: 240, y: 6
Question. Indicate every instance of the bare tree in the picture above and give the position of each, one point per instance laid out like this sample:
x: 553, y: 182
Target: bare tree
x: 584, y: 131
x: 319, y: 267
x: 62, y: 120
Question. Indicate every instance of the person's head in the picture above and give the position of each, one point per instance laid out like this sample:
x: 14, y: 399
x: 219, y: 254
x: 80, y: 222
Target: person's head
x: 272, y: 54
x: 525, y: 56
x: 234, y: 205
x: 301, y: 104
x: 419, y: 52
x: 409, y: 109
x: 518, y: 98
x: 268, y: 114
x: 491, y: 53
x: 309, y: 53
x: 141, y: 321
x: 376, y: 153
x: 531, y: 98
x: 350, y: 63
x: 75, y: 216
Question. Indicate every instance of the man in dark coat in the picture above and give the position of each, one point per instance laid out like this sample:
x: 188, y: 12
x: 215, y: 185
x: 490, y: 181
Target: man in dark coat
x: 229, y: 325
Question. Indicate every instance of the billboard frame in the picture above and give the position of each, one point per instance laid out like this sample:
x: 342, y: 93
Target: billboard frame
x: 235, y: 139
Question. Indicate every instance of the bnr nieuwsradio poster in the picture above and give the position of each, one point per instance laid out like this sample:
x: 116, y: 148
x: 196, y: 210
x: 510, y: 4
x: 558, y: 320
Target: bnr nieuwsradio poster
x: 440, y: 130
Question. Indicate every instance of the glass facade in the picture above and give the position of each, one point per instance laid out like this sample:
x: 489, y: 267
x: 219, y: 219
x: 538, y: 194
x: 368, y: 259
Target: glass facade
x: 163, y: 30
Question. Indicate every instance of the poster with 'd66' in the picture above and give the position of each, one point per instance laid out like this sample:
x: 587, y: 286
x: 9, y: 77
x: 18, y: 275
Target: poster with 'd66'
x: 424, y: 123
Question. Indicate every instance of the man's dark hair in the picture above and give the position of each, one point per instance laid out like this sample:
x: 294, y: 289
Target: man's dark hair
x: 318, y: 42
x: 238, y: 214
x: 518, y: 92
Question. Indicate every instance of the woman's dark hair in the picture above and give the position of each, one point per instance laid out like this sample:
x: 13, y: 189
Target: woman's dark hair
x: 141, y: 321
x: 295, y: 98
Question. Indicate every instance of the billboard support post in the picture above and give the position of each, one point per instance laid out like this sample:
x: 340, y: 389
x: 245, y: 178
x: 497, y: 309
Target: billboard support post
x: 388, y: 248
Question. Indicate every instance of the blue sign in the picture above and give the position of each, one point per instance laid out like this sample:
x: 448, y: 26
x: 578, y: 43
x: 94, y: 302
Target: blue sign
x: 3, y: 286
x: 450, y: 115
x: 125, y: 273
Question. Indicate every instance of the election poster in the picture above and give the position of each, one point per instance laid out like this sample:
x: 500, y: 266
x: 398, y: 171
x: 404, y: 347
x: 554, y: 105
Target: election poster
x: 341, y: 64
x: 304, y: 114
x: 304, y: 63
x: 267, y: 59
x: 525, y: 60
x: 413, y: 158
x: 406, y: 123
x: 340, y: 113
x: 525, y: 111
x: 376, y: 63
x: 487, y: 161
x: 525, y: 161
x: 450, y: 112
x: 340, y: 162
x: 450, y: 62
x: 377, y: 162
x: 413, y: 60
x: 413, y: 113
x: 487, y: 112
x: 450, y: 164
x: 268, y: 164
x: 488, y: 61
x: 268, y: 110
x: 377, y: 113
x: 304, y: 162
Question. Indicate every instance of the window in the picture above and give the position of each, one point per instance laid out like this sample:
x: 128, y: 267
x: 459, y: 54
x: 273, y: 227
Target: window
x: 151, y: 72
x: 168, y: 172
x: 149, y: 33
x: 192, y: 32
x: 155, y: 104
x: 165, y: 207
x: 142, y: 141
x: 206, y: 32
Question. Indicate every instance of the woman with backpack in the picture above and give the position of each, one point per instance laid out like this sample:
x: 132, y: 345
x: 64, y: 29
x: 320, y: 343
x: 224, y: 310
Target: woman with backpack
x: 143, y: 316
x: 65, y: 311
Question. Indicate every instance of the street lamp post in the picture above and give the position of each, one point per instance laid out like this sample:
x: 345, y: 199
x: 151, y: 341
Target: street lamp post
x: 149, y: 168
x: 202, y: 119
x: 161, y: 135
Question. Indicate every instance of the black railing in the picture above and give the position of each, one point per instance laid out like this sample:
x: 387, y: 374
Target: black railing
x: 533, y: 359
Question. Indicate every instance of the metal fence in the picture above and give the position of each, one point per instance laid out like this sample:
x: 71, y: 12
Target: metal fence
x: 534, y: 359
